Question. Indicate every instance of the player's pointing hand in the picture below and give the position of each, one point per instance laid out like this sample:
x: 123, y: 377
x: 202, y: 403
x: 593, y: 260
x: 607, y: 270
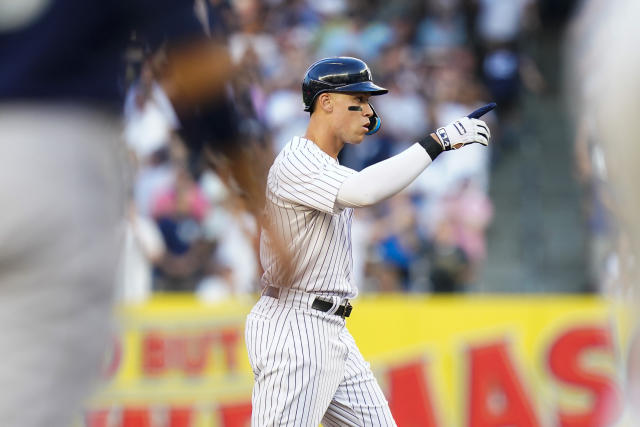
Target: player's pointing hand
x: 461, y: 132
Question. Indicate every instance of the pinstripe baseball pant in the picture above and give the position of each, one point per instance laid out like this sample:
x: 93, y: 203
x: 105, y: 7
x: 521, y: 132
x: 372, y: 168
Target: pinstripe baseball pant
x: 307, y: 367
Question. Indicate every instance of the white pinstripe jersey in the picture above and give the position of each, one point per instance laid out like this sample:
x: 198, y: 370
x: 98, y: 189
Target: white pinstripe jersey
x: 302, y: 187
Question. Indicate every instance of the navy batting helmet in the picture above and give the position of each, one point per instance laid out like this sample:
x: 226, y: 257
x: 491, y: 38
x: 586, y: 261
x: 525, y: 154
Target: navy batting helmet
x: 338, y: 74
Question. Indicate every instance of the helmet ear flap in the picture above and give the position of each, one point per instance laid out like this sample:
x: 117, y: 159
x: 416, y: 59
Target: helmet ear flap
x: 375, y: 122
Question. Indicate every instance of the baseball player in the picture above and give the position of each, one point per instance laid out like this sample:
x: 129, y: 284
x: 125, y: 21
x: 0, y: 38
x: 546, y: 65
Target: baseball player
x: 306, y: 365
x: 62, y: 184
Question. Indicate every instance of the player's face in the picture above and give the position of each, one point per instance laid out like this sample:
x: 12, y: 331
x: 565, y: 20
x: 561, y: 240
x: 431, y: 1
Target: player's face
x: 351, y: 124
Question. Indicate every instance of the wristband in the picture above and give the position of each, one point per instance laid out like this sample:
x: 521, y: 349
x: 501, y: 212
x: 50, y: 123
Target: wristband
x: 432, y: 147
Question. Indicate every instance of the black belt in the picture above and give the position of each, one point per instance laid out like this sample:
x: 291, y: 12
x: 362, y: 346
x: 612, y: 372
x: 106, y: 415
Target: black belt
x: 318, y: 304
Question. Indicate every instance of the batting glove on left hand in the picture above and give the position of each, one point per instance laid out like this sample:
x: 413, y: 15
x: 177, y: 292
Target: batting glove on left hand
x: 462, y: 132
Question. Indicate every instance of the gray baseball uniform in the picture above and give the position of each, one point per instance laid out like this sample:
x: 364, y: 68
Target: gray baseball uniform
x: 62, y: 194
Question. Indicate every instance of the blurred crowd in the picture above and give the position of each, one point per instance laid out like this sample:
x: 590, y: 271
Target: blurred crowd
x: 440, y: 59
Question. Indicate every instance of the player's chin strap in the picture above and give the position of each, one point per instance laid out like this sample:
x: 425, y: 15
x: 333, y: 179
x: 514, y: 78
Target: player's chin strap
x: 375, y: 122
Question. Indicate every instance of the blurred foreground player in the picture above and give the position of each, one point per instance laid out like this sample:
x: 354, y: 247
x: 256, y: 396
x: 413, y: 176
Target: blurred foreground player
x: 306, y: 365
x: 603, y: 64
x: 62, y: 183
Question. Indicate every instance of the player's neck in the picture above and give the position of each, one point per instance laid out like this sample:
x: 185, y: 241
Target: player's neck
x: 322, y: 135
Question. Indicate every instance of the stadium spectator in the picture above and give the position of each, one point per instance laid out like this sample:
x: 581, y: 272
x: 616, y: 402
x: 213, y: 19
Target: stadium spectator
x: 144, y: 247
x: 234, y: 267
x: 179, y: 212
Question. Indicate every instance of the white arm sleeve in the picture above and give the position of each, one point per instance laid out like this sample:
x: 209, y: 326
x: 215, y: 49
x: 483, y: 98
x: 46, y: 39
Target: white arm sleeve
x: 384, y: 179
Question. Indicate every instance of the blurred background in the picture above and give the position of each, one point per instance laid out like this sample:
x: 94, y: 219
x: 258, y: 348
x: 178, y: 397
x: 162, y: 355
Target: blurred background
x: 489, y: 288
x: 525, y: 215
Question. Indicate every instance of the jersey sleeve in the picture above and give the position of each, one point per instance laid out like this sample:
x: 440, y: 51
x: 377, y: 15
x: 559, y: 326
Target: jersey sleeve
x: 306, y: 179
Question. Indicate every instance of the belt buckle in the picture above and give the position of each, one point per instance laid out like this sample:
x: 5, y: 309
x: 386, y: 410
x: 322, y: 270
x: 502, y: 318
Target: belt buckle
x: 347, y: 309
